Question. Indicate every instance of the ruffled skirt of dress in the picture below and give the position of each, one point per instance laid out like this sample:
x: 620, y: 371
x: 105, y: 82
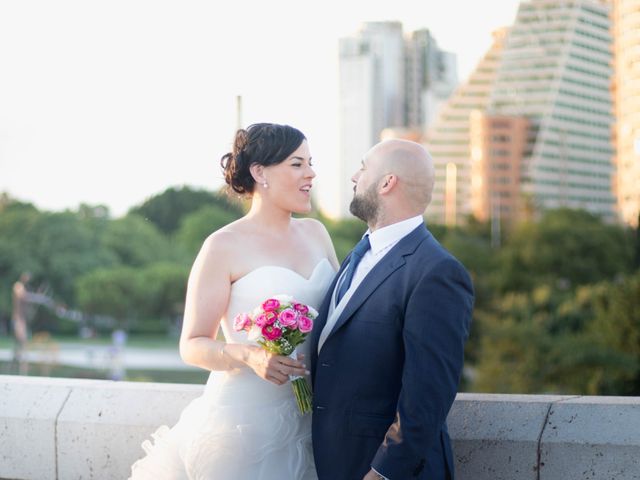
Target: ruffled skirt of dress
x: 241, y: 428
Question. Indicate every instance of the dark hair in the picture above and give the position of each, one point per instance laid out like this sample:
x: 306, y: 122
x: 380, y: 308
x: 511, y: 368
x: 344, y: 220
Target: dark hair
x: 261, y: 143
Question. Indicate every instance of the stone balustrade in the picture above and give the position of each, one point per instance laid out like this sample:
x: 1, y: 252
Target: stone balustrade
x: 65, y: 429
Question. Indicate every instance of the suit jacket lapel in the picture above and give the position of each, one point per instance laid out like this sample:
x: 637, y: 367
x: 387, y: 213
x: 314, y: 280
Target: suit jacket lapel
x: 323, y: 313
x: 389, y: 264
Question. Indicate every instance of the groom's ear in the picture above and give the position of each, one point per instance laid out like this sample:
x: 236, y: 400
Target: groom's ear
x: 388, y: 182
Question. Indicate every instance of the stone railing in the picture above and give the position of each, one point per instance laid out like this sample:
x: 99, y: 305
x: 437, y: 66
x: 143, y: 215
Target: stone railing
x: 91, y: 429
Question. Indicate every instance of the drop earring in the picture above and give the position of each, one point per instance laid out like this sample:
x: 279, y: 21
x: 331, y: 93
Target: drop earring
x: 265, y: 185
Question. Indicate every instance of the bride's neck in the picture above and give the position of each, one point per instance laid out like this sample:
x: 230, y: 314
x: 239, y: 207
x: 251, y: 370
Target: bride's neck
x: 268, y: 216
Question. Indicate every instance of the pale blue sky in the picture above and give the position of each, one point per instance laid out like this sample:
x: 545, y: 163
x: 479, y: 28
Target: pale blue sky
x: 112, y: 101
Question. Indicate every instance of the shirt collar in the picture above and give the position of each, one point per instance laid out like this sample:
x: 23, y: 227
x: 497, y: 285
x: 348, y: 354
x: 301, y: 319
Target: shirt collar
x: 386, y: 236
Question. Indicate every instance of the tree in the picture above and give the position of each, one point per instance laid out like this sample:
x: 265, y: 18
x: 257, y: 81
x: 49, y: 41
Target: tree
x: 65, y: 247
x: 197, y: 226
x: 55, y: 247
x: 566, y: 248
x: 636, y: 235
x: 140, y: 299
x: 524, y: 344
x: 15, y: 256
x: 114, y: 292
x: 135, y: 241
x: 616, y: 333
x: 7, y: 204
x: 163, y: 288
x: 573, y: 342
x: 167, y: 209
x: 475, y: 253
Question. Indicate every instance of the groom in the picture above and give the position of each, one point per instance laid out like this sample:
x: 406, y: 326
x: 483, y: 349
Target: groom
x: 387, y: 350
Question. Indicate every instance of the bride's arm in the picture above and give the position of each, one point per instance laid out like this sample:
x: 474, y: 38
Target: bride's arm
x: 207, y: 300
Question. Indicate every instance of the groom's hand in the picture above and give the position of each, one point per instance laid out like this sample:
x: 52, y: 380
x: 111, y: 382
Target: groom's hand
x: 373, y: 475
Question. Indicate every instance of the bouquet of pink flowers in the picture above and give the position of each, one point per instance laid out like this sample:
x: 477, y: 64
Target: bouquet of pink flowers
x: 279, y: 325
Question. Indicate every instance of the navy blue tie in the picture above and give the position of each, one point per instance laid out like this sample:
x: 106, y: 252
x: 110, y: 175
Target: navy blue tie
x: 356, y: 255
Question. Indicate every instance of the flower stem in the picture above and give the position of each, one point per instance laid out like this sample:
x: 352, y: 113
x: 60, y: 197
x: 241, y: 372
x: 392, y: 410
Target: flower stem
x: 303, y: 395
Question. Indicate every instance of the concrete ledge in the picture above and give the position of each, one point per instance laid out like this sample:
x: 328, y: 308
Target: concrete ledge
x: 495, y: 437
x: 29, y: 409
x: 102, y: 426
x: 592, y: 437
x: 93, y: 429
x: 52, y: 428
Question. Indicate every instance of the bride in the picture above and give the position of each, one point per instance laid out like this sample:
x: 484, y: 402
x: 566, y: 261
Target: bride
x: 246, y: 425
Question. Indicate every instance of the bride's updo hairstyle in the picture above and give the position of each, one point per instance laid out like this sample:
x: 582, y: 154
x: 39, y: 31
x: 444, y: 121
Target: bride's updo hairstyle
x: 261, y: 143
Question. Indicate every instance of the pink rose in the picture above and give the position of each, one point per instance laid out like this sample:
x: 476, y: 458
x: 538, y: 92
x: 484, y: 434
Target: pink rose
x: 271, y: 333
x: 299, y: 307
x: 305, y: 324
x: 241, y: 322
x: 271, y: 305
x: 262, y: 320
x: 265, y: 319
x: 288, y: 317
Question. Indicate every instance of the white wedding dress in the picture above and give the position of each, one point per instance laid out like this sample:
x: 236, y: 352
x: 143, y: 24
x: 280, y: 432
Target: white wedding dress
x: 242, y: 427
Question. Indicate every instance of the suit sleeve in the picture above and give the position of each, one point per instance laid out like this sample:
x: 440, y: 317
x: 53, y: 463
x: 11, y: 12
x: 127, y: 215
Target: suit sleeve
x: 436, y: 326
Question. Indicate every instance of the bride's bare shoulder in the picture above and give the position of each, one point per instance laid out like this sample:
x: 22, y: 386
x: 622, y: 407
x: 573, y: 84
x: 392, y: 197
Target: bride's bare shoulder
x: 315, y: 229
x: 227, y: 239
x: 312, y: 226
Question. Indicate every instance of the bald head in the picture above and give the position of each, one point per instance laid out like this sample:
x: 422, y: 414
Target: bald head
x: 413, y: 166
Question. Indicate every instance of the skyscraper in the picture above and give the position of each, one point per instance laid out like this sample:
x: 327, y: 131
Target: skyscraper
x: 626, y: 92
x: 448, y: 139
x: 498, y: 145
x: 371, y: 96
x: 386, y: 81
x: 431, y: 77
x: 554, y: 69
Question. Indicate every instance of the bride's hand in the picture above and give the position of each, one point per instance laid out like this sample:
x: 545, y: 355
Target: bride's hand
x: 274, y: 368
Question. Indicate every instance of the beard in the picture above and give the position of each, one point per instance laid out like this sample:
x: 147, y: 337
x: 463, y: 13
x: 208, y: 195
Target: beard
x: 366, y: 206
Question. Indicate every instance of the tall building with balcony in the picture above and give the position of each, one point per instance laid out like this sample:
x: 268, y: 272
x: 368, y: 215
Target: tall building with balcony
x: 626, y: 94
x: 556, y: 70
x: 498, y: 146
x: 448, y: 139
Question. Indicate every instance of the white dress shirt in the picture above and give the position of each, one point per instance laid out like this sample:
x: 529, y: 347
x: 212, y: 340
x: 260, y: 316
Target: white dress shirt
x: 382, y: 241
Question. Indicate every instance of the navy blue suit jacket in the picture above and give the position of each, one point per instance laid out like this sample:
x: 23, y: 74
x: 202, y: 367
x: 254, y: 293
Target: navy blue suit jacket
x: 388, y: 373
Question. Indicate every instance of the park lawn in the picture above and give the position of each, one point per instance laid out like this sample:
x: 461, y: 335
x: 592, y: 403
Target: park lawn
x: 198, y: 377
x: 137, y: 341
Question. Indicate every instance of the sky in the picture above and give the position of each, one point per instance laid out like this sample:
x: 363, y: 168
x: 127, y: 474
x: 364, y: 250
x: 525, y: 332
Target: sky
x: 110, y: 102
